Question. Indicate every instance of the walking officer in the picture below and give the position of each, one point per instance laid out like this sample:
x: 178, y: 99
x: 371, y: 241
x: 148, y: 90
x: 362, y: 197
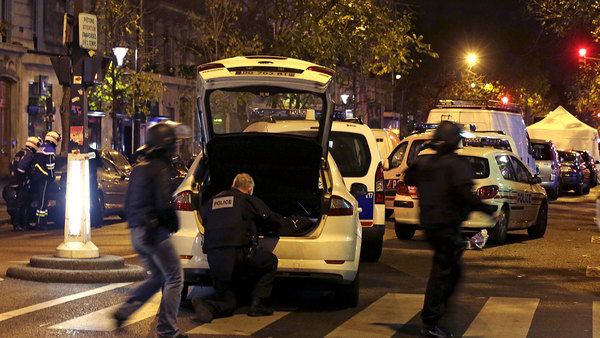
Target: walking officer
x: 18, y: 185
x: 151, y: 218
x: 232, y: 220
x: 43, y: 175
x: 444, y: 182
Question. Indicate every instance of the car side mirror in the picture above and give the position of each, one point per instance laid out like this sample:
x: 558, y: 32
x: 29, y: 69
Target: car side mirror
x: 537, y: 179
x: 386, y: 164
x: 537, y: 169
x: 597, y: 162
x: 358, y: 190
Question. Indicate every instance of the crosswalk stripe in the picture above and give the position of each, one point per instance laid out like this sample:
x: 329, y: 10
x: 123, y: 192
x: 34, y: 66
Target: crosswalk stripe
x: 102, y: 320
x: 596, y: 320
x: 382, y: 318
x: 504, y: 317
x: 237, y: 325
x: 14, y: 313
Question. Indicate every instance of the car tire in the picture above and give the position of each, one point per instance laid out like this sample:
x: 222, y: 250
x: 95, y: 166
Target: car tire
x: 553, y: 194
x: 405, y: 231
x: 371, y: 249
x: 539, y: 228
x: 498, y: 233
x: 97, y: 212
x: 349, y: 294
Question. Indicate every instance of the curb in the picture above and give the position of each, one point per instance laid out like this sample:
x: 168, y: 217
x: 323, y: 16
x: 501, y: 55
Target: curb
x: 104, y: 269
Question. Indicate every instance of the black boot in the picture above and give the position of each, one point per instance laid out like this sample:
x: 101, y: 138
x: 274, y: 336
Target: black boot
x: 202, y: 310
x: 435, y: 331
x: 258, y: 308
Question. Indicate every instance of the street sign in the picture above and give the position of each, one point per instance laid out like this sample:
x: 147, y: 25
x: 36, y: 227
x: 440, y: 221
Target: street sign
x: 88, y: 31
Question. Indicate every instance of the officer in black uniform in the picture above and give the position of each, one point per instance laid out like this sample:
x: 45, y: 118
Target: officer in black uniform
x: 151, y: 218
x: 231, y: 222
x: 444, y: 182
x: 18, y: 185
x: 44, y: 163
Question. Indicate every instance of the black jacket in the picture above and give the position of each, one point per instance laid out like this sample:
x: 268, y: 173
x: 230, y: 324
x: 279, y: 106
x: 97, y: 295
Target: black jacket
x: 148, y: 201
x: 234, y: 219
x: 444, y: 185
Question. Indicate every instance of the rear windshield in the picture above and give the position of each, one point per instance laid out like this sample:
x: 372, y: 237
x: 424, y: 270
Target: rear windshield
x: 541, y: 152
x: 567, y: 156
x: 233, y: 110
x: 351, y: 153
x: 584, y: 155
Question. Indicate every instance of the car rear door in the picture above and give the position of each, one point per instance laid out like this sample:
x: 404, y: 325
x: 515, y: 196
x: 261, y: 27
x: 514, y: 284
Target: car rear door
x: 509, y: 189
x: 525, y: 195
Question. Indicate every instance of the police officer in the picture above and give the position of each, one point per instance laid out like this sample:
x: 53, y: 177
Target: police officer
x: 18, y: 184
x: 43, y: 175
x: 444, y: 182
x: 151, y: 218
x: 231, y: 222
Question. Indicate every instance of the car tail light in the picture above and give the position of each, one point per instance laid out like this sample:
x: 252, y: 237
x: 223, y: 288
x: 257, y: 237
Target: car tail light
x: 323, y: 70
x: 379, y: 185
x: 208, y: 66
x: 487, y: 192
x: 552, y: 166
x: 186, y: 256
x: 340, y: 207
x: 402, y: 189
x: 183, y: 201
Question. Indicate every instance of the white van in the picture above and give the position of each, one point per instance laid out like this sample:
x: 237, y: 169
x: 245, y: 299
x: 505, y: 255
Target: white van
x: 387, y: 141
x: 489, y: 117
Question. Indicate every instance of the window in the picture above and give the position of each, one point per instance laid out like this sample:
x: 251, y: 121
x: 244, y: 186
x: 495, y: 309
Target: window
x: 521, y: 172
x: 351, y: 153
x: 398, y: 155
x: 480, y: 166
x: 415, y: 149
x: 505, y: 167
x: 541, y: 152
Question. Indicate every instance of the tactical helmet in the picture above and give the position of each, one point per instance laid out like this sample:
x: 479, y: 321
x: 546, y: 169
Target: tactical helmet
x: 446, y: 137
x: 53, y: 137
x: 160, y: 136
x: 33, y: 142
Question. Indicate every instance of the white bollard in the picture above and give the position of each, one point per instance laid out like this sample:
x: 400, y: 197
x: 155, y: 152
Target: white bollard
x: 78, y: 238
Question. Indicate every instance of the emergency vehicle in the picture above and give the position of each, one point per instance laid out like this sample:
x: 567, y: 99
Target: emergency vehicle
x: 502, y: 180
x: 294, y: 174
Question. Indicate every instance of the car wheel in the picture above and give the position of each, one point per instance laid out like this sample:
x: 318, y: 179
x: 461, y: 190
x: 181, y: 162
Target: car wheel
x: 539, y: 228
x: 348, y: 295
x: 498, y: 232
x: 97, y: 212
x: 371, y: 249
x: 552, y: 194
x: 405, y: 231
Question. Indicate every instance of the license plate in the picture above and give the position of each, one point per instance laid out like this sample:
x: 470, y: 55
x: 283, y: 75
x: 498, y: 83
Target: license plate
x: 264, y: 73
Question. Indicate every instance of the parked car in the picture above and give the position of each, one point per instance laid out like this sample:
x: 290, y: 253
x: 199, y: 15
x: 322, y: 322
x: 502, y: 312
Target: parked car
x: 294, y: 174
x: 502, y: 180
x: 548, y: 162
x: 590, y: 163
x: 574, y: 173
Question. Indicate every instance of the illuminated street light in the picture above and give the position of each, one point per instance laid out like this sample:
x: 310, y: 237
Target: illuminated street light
x: 473, y: 85
x: 345, y: 98
x: 471, y: 59
x: 120, y: 53
x: 398, y: 76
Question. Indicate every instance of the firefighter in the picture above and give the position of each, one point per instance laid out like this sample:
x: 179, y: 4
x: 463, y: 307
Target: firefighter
x: 232, y: 220
x: 444, y: 182
x: 43, y: 175
x: 18, y: 186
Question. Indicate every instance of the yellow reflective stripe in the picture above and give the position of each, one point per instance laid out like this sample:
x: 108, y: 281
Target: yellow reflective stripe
x: 37, y: 165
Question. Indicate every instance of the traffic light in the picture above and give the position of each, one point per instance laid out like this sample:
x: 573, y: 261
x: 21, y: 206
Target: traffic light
x: 582, y: 55
x: 598, y: 114
x: 62, y: 67
x: 94, y: 68
x: 504, y: 99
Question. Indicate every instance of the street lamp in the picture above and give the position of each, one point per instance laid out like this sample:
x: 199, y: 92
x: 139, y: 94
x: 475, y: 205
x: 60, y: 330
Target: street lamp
x: 120, y: 53
x: 472, y: 59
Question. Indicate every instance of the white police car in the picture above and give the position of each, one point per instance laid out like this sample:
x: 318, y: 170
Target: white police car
x: 356, y: 154
x: 294, y: 174
x: 501, y: 179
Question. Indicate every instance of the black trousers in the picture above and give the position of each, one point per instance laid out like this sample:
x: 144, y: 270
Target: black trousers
x: 231, y: 266
x: 16, y: 205
x: 448, y: 246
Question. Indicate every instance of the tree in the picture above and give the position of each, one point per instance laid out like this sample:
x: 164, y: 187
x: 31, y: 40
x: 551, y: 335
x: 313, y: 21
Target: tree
x: 132, y: 88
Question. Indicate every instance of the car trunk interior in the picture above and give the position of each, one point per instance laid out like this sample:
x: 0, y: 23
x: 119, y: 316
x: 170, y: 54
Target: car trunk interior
x: 285, y: 169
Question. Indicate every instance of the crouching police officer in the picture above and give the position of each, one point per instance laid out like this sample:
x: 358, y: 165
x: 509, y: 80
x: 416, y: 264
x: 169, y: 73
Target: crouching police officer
x: 444, y: 182
x: 231, y: 221
x: 18, y: 185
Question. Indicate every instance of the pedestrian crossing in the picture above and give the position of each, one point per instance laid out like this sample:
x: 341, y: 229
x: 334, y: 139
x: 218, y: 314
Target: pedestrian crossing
x: 384, y: 317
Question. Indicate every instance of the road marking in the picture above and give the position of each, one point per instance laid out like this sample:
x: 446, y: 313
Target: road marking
x: 596, y: 320
x: 516, y: 314
x: 36, y: 307
x: 130, y: 256
x: 596, y: 239
x: 237, y: 325
x: 102, y: 320
x: 383, y: 318
x: 592, y: 271
x: 18, y: 262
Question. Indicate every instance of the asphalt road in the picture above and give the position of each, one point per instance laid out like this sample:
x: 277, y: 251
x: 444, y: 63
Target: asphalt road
x: 525, y: 288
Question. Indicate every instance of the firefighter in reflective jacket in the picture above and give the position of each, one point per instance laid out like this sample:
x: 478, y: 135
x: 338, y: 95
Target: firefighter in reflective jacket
x: 43, y: 174
x: 232, y: 220
x: 18, y: 185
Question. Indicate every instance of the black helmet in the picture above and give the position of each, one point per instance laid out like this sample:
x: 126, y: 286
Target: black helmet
x: 160, y: 136
x: 446, y: 137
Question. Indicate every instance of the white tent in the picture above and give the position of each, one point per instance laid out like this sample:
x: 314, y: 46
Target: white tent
x: 566, y: 131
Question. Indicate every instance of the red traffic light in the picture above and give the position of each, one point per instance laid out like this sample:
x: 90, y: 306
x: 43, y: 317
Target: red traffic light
x: 582, y: 52
x: 504, y: 99
x: 598, y: 114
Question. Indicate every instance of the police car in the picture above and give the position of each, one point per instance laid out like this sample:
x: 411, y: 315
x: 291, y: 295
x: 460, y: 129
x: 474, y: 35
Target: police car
x: 294, y: 174
x: 356, y: 154
x: 501, y: 179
